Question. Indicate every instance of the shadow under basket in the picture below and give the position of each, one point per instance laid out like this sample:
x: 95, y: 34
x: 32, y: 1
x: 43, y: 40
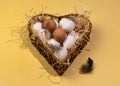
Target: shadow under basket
x: 60, y: 66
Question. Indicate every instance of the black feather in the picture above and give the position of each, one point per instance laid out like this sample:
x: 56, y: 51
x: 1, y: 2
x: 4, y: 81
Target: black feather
x: 88, y: 67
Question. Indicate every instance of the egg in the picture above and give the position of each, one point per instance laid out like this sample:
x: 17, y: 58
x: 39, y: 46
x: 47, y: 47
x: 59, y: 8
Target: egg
x: 50, y: 25
x: 79, y: 27
x: 67, y: 24
x: 60, y: 35
x: 53, y: 44
x: 61, y: 54
x: 69, y: 42
x: 37, y: 27
x: 42, y: 35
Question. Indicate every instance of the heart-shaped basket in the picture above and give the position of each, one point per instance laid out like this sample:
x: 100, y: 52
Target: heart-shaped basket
x: 58, y: 65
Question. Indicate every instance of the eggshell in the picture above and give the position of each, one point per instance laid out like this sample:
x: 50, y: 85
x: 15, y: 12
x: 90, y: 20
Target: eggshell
x: 67, y: 24
x: 41, y: 34
x: 56, y: 22
x: 62, y: 21
x: 53, y: 43
x: 75, y: 34
x: 61, y: 54
x: 60, y: 35
x: 48, y: 34
x: 69, y: 42
x: 50, y: 25
x: 72, y: 33
x: 37, y: 27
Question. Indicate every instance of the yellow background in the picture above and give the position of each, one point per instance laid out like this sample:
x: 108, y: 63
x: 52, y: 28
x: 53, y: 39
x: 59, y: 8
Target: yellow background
x: 19, y: 67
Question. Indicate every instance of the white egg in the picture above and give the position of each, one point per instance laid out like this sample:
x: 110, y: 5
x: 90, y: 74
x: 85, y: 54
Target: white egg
x: 62, y: 21
x: 67, y: 24
x: 53, y: 43
x: 69, y: 42
x: 61, y: 54
x: 37, y: 27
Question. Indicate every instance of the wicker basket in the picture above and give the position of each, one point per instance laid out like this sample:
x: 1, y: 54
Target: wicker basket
x: 60, y: 66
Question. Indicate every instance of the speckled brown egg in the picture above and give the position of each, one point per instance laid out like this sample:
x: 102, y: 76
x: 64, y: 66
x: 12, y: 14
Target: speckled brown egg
x: 60, y: 35
x: 50, y: 25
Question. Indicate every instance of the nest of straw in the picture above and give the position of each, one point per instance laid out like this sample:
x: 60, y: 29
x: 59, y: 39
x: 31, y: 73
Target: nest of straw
x: 60, y: 66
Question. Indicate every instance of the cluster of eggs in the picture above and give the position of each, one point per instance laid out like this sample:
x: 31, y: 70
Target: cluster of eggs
x: 60, y: 36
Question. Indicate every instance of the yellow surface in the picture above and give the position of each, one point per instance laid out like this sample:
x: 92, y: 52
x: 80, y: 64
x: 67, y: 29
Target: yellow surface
x: 19, y: 67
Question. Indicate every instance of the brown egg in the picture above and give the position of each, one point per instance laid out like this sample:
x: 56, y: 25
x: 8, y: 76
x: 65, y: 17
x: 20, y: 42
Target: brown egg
x: 79, y: 27
x: 60, y: 35
x: 50, y: 25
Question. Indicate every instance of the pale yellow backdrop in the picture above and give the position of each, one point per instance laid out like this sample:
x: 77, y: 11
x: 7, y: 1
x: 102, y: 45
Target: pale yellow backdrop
x: 19, y: 67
